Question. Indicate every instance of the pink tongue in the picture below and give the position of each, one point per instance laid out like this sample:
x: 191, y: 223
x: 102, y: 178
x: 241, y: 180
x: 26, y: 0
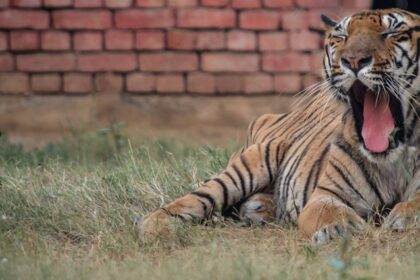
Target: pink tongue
x: 378, y: 123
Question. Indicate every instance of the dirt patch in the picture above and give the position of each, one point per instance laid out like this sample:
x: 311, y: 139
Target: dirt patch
x: 37, y: 120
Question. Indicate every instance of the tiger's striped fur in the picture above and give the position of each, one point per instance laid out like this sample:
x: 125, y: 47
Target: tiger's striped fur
x: 313, y: 159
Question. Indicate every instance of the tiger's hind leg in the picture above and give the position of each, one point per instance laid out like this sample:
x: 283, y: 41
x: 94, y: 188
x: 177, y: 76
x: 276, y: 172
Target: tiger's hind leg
x: 247, y: 174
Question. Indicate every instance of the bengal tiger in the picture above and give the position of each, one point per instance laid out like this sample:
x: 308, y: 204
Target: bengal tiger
x: 343, y: 156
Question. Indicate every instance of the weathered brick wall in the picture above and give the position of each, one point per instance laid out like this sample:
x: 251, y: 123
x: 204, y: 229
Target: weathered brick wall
x: 158, y: 46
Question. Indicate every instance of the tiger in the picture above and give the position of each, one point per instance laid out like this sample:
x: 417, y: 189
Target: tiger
x: 347, y: 154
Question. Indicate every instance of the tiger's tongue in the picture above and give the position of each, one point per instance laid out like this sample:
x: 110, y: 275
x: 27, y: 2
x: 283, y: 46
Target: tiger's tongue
x: 378, y: 123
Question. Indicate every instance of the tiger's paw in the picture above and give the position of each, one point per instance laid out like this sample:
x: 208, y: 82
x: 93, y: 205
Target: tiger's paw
x: 404, y: 215
x: 155, y: 225
x: 257, y: 210
x: 336, y: 231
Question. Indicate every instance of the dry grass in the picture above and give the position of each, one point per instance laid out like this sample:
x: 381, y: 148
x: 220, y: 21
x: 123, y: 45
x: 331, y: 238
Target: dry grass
x: 65, y: 213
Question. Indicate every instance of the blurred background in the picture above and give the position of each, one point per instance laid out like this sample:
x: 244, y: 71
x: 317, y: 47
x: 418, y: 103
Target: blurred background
x: 198, y: 70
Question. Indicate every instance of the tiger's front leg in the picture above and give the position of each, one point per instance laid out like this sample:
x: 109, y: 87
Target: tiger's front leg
x: 326, y: 217
x: 246, y: 175
x: 404, y: 215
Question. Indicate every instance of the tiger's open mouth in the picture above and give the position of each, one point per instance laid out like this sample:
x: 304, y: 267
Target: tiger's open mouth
x: 379, y: 118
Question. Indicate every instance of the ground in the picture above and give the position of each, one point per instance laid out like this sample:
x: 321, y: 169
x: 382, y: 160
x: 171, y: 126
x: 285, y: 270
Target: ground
x: 66, y: 212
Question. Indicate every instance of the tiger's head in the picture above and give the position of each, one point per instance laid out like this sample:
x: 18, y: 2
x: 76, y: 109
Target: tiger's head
x: 371, y: 63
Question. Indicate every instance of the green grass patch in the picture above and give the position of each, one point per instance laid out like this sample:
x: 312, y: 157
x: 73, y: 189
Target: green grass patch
x: 66, y: 212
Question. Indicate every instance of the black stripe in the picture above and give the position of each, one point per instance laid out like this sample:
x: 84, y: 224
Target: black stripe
x: 258, y: 129
x: 267, y: 161
x: 337, y: 196
x: 232, y: 179
x: 241, y: 178
x: 251, y: 178
x: 274, y: 129
x: 279, y: 119
x: 308, y: 146
x: 205, y: 208
x: 278, y: 155
x: 287, y: 179
x: 317, y: 164
x: 205, y: 196
x: 225, y: 193
x: 251, y: 128
x: 346, y: 179
x: 347, y: 149
x: 334, y: 182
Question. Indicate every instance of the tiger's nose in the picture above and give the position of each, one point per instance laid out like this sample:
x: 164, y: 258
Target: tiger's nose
x: 356, y: 62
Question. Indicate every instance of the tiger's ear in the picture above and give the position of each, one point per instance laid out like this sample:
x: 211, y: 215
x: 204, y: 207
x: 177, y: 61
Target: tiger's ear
x: 328, y: 23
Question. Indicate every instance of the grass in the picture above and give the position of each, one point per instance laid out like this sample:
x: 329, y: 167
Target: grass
x: 66, y: 213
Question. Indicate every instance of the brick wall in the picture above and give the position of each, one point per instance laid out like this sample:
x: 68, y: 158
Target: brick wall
x: 158, y: 46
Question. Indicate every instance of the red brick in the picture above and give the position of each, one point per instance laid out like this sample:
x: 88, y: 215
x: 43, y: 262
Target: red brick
x: 141, y: 18
x: 210, y: 40
x: 57, y: 3
x: 287, y: 83
x: 12, y: 83
x: 273, y: 41
x: 119, y: 40
x: 16, y: 19
x: 77, y: 83
x: 42, y: 62
x: 246, y: 4
x: 309, y: 81
x: 258, y: 83
x: 4, y: 3
x: 118, y: 62
x: 46, y: 83
x: 181, y: 40
x: 259, y: 20
x: 318, y: 4
x: 82, y: 19
x: 214, y: 3
x: 6, y: 62
x: 150, y: 3
x: 168, y: 62
x: 297, y: 19
x: 230, y: 84
x: 3, y: 41
x: 201, y: 83
x: 139, y: 82
x: 170, y: 84
x: 356, y: 4
x: 88, y: 3
x: 282, y: 4
x: 26, y: 3
x: 316, y: 60
x: 229, y: 62
x: 87, y: 41
x: 314, y: 17
x: 182, y: 3
x: 288, y: 62
x: 241, y: 40
x: 24, y: 40
x: 206, y: 18
x: 108, y: 82
x: 118, y: 3
x: 55, y: 40
x: 362, y: 4
x: 150, y: 40
x: 304, y: 41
